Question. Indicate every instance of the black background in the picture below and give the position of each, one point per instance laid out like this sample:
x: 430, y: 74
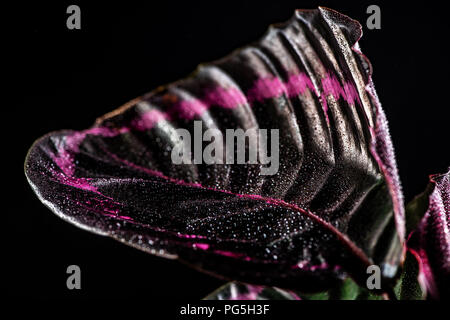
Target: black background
x: 64, y: 78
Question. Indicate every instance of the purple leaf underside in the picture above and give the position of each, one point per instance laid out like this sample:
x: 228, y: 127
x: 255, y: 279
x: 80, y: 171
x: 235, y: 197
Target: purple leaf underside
x: 430, y: 241
x: 334, y: 207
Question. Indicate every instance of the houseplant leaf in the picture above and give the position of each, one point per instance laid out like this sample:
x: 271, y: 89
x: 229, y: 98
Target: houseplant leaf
x: 333, y: 207
x: 241, y: 291
x: 430, y: 241
x: 345, y: 290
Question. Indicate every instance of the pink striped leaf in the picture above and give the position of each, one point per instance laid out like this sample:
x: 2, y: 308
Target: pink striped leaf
x: 333, y: 207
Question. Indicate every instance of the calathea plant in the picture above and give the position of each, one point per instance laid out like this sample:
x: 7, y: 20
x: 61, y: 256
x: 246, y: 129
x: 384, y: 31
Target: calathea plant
x: 311, y: 230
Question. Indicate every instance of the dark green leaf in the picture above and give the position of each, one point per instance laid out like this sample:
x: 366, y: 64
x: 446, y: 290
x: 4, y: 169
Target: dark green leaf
x: 408, y: 287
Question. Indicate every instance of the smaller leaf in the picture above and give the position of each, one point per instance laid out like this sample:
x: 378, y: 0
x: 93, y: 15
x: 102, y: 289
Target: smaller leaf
x: 416, y: 208
x: 316, y: 296
x: 346, y: 290
x: 350, y: 290
x: 430, y: 241
x: 241, y: 291
x: 408, y: 287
